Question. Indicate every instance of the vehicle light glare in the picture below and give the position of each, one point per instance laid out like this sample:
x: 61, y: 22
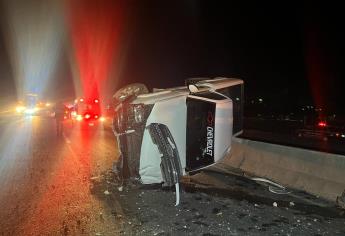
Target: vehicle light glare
x: 30, y: 111
x: 95, y: 33
x: 79, y: 118
x: 102, y: 119
x: 322, y: 124
x: 35, y: 36
x: 87, y: 116
x: 20, y: 109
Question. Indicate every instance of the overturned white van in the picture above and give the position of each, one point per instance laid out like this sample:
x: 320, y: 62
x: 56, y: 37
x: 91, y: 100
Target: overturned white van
x: 167, y: 133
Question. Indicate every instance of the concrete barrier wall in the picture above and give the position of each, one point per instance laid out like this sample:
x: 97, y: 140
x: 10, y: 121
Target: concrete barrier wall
x: 318, y: 173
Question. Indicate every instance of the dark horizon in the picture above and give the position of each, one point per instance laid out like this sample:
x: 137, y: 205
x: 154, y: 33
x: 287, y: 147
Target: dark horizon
x: 287, y: 55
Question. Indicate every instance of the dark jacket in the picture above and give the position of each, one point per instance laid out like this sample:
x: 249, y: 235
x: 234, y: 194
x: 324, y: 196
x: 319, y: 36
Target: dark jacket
x: 59, y: 111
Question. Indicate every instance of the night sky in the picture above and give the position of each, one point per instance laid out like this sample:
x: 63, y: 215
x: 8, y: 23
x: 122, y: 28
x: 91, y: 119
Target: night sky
x: 289, y: 55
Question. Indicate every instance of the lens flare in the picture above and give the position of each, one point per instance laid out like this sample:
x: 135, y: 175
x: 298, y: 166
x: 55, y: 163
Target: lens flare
x: 79, y: 118
x: 95, y: 31
x: 34, y: 35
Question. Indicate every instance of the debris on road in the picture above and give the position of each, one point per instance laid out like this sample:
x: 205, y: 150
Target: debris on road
x: 341, y: 200
x: 145, y: 209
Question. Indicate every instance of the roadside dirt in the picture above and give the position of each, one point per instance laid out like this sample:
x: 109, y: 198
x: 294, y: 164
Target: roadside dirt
x: 206, y: 208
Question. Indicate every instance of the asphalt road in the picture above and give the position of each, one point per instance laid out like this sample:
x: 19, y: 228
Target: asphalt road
x: 45, y: 179
x: 64, y: 186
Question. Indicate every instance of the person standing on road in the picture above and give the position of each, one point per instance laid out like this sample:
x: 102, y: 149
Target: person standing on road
x: 59, y: 111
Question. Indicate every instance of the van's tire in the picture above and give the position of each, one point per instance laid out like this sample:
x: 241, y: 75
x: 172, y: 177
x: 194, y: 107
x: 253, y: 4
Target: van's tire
x: 128, y: 91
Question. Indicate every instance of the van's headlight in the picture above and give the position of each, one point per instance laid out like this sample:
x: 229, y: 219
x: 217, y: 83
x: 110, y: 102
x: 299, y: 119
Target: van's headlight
x: 139, y: 113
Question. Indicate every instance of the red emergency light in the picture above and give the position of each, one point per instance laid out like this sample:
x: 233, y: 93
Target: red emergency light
x: 95, y: 28
x: 322, y: 124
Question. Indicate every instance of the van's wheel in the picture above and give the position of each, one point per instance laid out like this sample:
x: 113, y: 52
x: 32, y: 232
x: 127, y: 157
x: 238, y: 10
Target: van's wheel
x: 128, y: 91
